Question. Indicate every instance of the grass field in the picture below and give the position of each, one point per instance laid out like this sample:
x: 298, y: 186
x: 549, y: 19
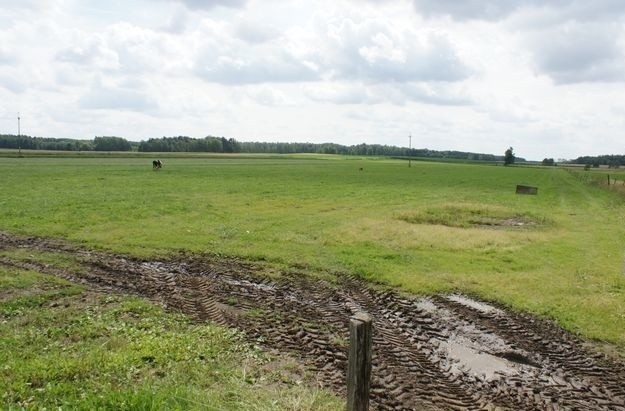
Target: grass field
x: 64, y: 347
x: 429, y: 228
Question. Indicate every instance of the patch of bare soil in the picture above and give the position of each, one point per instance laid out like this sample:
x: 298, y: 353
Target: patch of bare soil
x: 6, y: 295
x: 502, y: 222
x: 442, y: 352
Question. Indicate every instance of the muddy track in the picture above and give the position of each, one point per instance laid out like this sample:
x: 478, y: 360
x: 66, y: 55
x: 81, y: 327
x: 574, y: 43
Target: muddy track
x: 444, y: 352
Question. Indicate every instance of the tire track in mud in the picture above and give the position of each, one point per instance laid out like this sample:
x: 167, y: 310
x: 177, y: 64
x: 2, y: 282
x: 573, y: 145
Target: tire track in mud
x: 442, y: 352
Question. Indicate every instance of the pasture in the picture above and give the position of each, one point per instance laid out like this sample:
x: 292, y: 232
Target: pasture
x: 430, y: 228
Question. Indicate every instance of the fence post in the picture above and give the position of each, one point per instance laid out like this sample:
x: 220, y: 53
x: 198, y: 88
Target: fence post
x: 359, y: 367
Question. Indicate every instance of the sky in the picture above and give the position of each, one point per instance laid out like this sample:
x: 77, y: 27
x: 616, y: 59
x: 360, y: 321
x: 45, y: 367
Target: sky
x: 546, y: 77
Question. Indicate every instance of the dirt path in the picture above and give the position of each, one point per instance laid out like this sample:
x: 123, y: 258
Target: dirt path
x: 443, y: 352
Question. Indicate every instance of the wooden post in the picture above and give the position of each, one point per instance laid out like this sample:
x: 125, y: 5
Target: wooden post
x: 359, y: 367
x: 410, y: 150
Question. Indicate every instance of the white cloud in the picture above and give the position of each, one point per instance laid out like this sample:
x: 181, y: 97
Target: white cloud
x: 23, y: 5
x: 545, y: 77
x: 240, y: 69
x: 13, y: 84
x: 380, y: 51
x: 209, y: 4
x: 269, y: 96
x: 580, y: 52
x: 7, y: 56
x: 572, y: 41
x: 116, y: 98
x: 585, y: 11
x: 254, y: 32
x: 437, y: 94
x: 340, y: 93
x: 94, y: 52
x: 562, y: 10
x: 228, y: 60
x: 396, y: 93
x: 178, y: 21
x: 468, y: 9
x: 126, y: 48
x: 369, y: 50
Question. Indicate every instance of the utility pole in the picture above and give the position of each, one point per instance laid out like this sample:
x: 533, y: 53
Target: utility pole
x: 19, y: 137
x: 410, y: 150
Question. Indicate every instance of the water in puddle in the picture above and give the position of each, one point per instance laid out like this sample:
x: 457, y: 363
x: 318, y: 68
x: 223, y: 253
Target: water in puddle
x: 476, y: 305
x: 425, y: 304
x: 245, y: 283
x: 467, y: 359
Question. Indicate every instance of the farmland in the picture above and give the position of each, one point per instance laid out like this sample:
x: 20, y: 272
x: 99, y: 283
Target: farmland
x: 431, y: 228
x: 407, y: 227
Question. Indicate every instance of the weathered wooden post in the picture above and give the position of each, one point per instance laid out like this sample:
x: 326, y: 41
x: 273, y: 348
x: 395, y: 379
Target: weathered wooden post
x: 359, y: 367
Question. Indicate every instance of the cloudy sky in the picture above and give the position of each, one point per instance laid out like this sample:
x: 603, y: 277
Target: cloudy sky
x: 544, y: 76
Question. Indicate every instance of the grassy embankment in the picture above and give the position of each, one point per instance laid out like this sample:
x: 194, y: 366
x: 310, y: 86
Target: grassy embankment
x: 429, y: 228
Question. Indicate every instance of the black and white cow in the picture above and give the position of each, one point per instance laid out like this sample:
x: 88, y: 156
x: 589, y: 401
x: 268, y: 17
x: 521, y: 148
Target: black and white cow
x: 156, y: 164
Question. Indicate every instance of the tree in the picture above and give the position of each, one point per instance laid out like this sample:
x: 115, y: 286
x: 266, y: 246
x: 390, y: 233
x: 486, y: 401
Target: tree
x: 549, y: 162
x: 508, y: 157
x: 111, y: 144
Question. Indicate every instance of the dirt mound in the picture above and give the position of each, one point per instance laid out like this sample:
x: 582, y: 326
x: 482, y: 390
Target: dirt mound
x: 442, y: 352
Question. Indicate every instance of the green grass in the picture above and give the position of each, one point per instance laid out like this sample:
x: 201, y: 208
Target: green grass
x: 67, y: 348
x: 58, y: 260
x: 429, y: 228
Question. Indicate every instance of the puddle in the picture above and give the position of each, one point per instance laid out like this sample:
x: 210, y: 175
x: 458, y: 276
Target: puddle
x: 164, y: 268
x: 245, y: 283
x: 480, y: 364
x: 476, y: 305
x: 425, y: 304
x: 469, y: 348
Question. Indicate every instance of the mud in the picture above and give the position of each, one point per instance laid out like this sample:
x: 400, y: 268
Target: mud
x: 442, y: 352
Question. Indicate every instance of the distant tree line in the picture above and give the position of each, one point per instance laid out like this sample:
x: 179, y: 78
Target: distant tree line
x: 44, y: 143
x: 211, y: 144
x: 223, y: 145
x: 613, y: 161
x: 65, y: 144
x: 188, y: 144
x: 111, y: 144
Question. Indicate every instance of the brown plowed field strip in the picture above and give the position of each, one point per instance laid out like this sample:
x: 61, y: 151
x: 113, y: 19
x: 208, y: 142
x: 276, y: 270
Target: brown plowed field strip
x: 444, y: 352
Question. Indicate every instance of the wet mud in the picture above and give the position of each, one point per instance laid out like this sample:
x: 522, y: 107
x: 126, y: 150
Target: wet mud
x: 445, y: 352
